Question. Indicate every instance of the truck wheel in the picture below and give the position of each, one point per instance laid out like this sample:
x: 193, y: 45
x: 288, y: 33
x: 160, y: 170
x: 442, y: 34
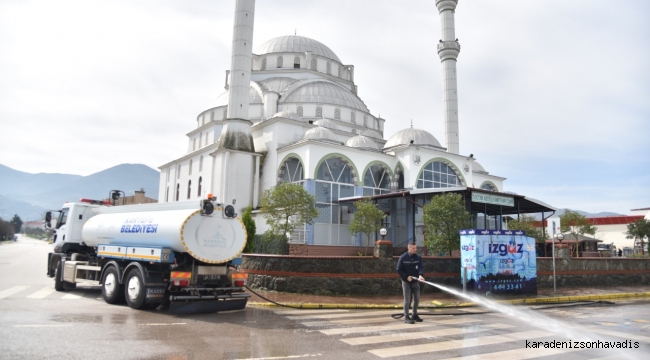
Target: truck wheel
x: 112, y: 292
x: 134, y: 289
x: 58, y: 274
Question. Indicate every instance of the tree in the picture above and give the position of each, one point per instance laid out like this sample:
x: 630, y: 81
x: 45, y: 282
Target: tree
x: 444, y: 216
x: 527, y: 224
x: 284, y: 201
x: 639, y: 230
x: 249, y: 223
x: 6, y: 230
x: 576, y: 224
x: 16, y: 222
x: 367, y: 219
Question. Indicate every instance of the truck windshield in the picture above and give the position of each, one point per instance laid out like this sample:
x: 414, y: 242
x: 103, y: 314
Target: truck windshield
x: 63, y: 217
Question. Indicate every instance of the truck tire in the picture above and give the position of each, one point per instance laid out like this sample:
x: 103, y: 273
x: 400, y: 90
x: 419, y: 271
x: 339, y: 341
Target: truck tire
x: 59, y: 283
x: 134, y: 290
x: 112, y: 291
x: 58, y: 274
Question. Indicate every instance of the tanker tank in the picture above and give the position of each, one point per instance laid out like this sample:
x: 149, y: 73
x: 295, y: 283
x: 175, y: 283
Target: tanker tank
x: 179, y: 226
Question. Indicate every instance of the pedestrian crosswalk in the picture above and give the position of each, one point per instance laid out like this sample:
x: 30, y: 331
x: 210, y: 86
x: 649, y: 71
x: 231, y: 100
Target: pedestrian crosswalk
x: 48, y: 292
x: 480, y: 336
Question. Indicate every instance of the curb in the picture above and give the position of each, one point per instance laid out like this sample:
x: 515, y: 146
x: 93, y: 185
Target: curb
x: 439, y: 305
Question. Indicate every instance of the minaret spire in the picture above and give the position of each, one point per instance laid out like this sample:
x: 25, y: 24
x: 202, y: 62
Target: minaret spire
x: 448, y: 49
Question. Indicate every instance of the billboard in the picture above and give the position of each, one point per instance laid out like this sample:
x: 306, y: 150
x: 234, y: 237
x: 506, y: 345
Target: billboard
x: 499, y: 261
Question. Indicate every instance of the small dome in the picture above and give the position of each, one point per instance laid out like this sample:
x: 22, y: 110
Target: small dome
x: 322, y: 92
x: 288, y: 114
x: 222, y: 100
x: 295, y: 44
x: 372, y: 134
x: 412, y: 136
x: 361, y: 142
x: 478, y: 168
x: 326, y: 123
x: 320, y: 133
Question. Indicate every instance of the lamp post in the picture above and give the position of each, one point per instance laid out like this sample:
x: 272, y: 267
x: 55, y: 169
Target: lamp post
x: 559, y: 237
x: 383, y: 232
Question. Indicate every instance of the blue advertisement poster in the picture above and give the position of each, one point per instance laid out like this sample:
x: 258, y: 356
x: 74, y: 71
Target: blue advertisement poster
x: 499, y: 261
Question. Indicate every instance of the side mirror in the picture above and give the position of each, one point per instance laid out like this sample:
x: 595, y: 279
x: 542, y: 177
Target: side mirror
x: 48, y: 219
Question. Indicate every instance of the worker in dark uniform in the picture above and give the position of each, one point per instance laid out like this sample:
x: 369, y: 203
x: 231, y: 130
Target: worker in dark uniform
x: 411, y: 268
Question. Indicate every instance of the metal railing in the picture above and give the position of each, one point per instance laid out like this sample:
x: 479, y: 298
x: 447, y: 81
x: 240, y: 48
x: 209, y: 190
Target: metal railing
x: 299, y: 236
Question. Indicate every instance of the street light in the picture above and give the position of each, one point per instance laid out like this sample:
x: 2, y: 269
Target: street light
x: 383, y: 232
x: 559, y: 237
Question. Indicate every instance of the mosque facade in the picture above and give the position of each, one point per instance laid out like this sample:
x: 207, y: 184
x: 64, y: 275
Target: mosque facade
x: 301, y: 120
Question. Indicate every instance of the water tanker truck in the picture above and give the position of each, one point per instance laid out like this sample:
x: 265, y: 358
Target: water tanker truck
x: 178, y: 254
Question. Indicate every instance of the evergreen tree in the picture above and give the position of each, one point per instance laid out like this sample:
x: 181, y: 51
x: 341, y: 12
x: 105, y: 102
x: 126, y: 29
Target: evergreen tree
x: 639, y: 230
x: 576, y: 224
x: 367, y: 219
x: 16, y: 222
x: 444, y: 216
x: 249, y: 223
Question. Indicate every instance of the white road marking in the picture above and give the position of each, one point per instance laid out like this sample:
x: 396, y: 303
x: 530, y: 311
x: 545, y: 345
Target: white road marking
x: 305, y: 312
x: 346, y: 315
x: 368, y: 329
x: 284, y: 357
x: 517, y: 354
x: 40, y: 326
x: 365, y: 340
x: 620, y: 334
x: 385, y: 319
x: 162, y: 324
x: 11, y: 291
x: 72, y: 296
x: 40, y: 294
x: 458, y: 344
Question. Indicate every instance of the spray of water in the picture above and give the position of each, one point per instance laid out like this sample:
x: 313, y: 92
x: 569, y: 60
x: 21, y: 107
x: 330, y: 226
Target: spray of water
x: 568, y: 331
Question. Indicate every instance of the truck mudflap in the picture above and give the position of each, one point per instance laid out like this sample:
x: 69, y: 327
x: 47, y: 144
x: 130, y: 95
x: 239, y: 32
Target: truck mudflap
x: 204, y: 305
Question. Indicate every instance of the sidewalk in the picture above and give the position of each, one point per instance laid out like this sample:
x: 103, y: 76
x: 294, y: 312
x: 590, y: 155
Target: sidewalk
x: 441, y: 299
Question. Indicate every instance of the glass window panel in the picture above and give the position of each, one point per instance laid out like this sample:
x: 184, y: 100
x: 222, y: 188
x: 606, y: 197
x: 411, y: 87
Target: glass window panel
x: 436, y: 185
x: 347, y: 191
x: 323, y: 192
x: 428, y: 175
x: 436, y: 166
x: 335, y: 193
x: 420, y: 184
x: 367, y: 191
x: 346, y: 175
x: 443, y: 178
x: 336, y: 214
x: 367, y: 179
x: 436, y: 177
x: 324, y: 213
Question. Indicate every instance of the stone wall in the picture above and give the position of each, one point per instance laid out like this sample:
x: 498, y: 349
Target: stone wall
x: 366, y: 275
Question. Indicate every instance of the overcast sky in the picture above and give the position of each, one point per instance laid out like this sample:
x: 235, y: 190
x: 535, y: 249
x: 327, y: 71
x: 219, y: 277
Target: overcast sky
x: 553, y: 95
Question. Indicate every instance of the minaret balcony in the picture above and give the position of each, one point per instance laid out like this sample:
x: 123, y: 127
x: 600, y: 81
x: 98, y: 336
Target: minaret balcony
x: 448, y: 50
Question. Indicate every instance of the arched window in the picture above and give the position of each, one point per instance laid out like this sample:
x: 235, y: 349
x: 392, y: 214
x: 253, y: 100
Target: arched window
x: 334, y: 180
x: 198, y: 193
x: 263, y: 64
x: 353, y: 117
x: 296, y: 62
x: 178, y: 191
x: 337, y: 114
x: 167, y: 175
x: 291, y: 171
x: 438, y: 175
x: 399, y: 178
x: 280, y: 61
x: 314, y: 64
x: 178, y: 171
x: 376, y: 180
x: 193, y: 144
x: 319, y: 112
x: 189, y: 172
x: 488, y: 186
x: 206, y: 138
x: 201, y: 163
x: 167, y: 195
x: 189, y: 189
x: 299, y: 110
x: 365, y: 120
x: 341, y: 71
x: 329, y: 68
x: 200, y: 140
x: 225, y: 113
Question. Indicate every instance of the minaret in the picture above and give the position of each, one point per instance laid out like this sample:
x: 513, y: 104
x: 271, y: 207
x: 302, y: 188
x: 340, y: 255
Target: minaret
x: 448, y: 49
x: 236, y: 165
x: 236, y: 133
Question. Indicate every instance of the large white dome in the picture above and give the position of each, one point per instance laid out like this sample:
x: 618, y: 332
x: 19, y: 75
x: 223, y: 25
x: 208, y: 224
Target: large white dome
x: 327, y: 123
x: 295, y: 44
x: 361, y: 142
x: 412, y: 136
x: 320, y: 133
x: 478, y: 168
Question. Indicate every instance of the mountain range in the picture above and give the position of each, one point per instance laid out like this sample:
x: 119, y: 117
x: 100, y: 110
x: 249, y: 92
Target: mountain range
x: 31, y: 195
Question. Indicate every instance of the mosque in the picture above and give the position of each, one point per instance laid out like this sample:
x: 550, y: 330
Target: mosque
x: 290, y: 113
